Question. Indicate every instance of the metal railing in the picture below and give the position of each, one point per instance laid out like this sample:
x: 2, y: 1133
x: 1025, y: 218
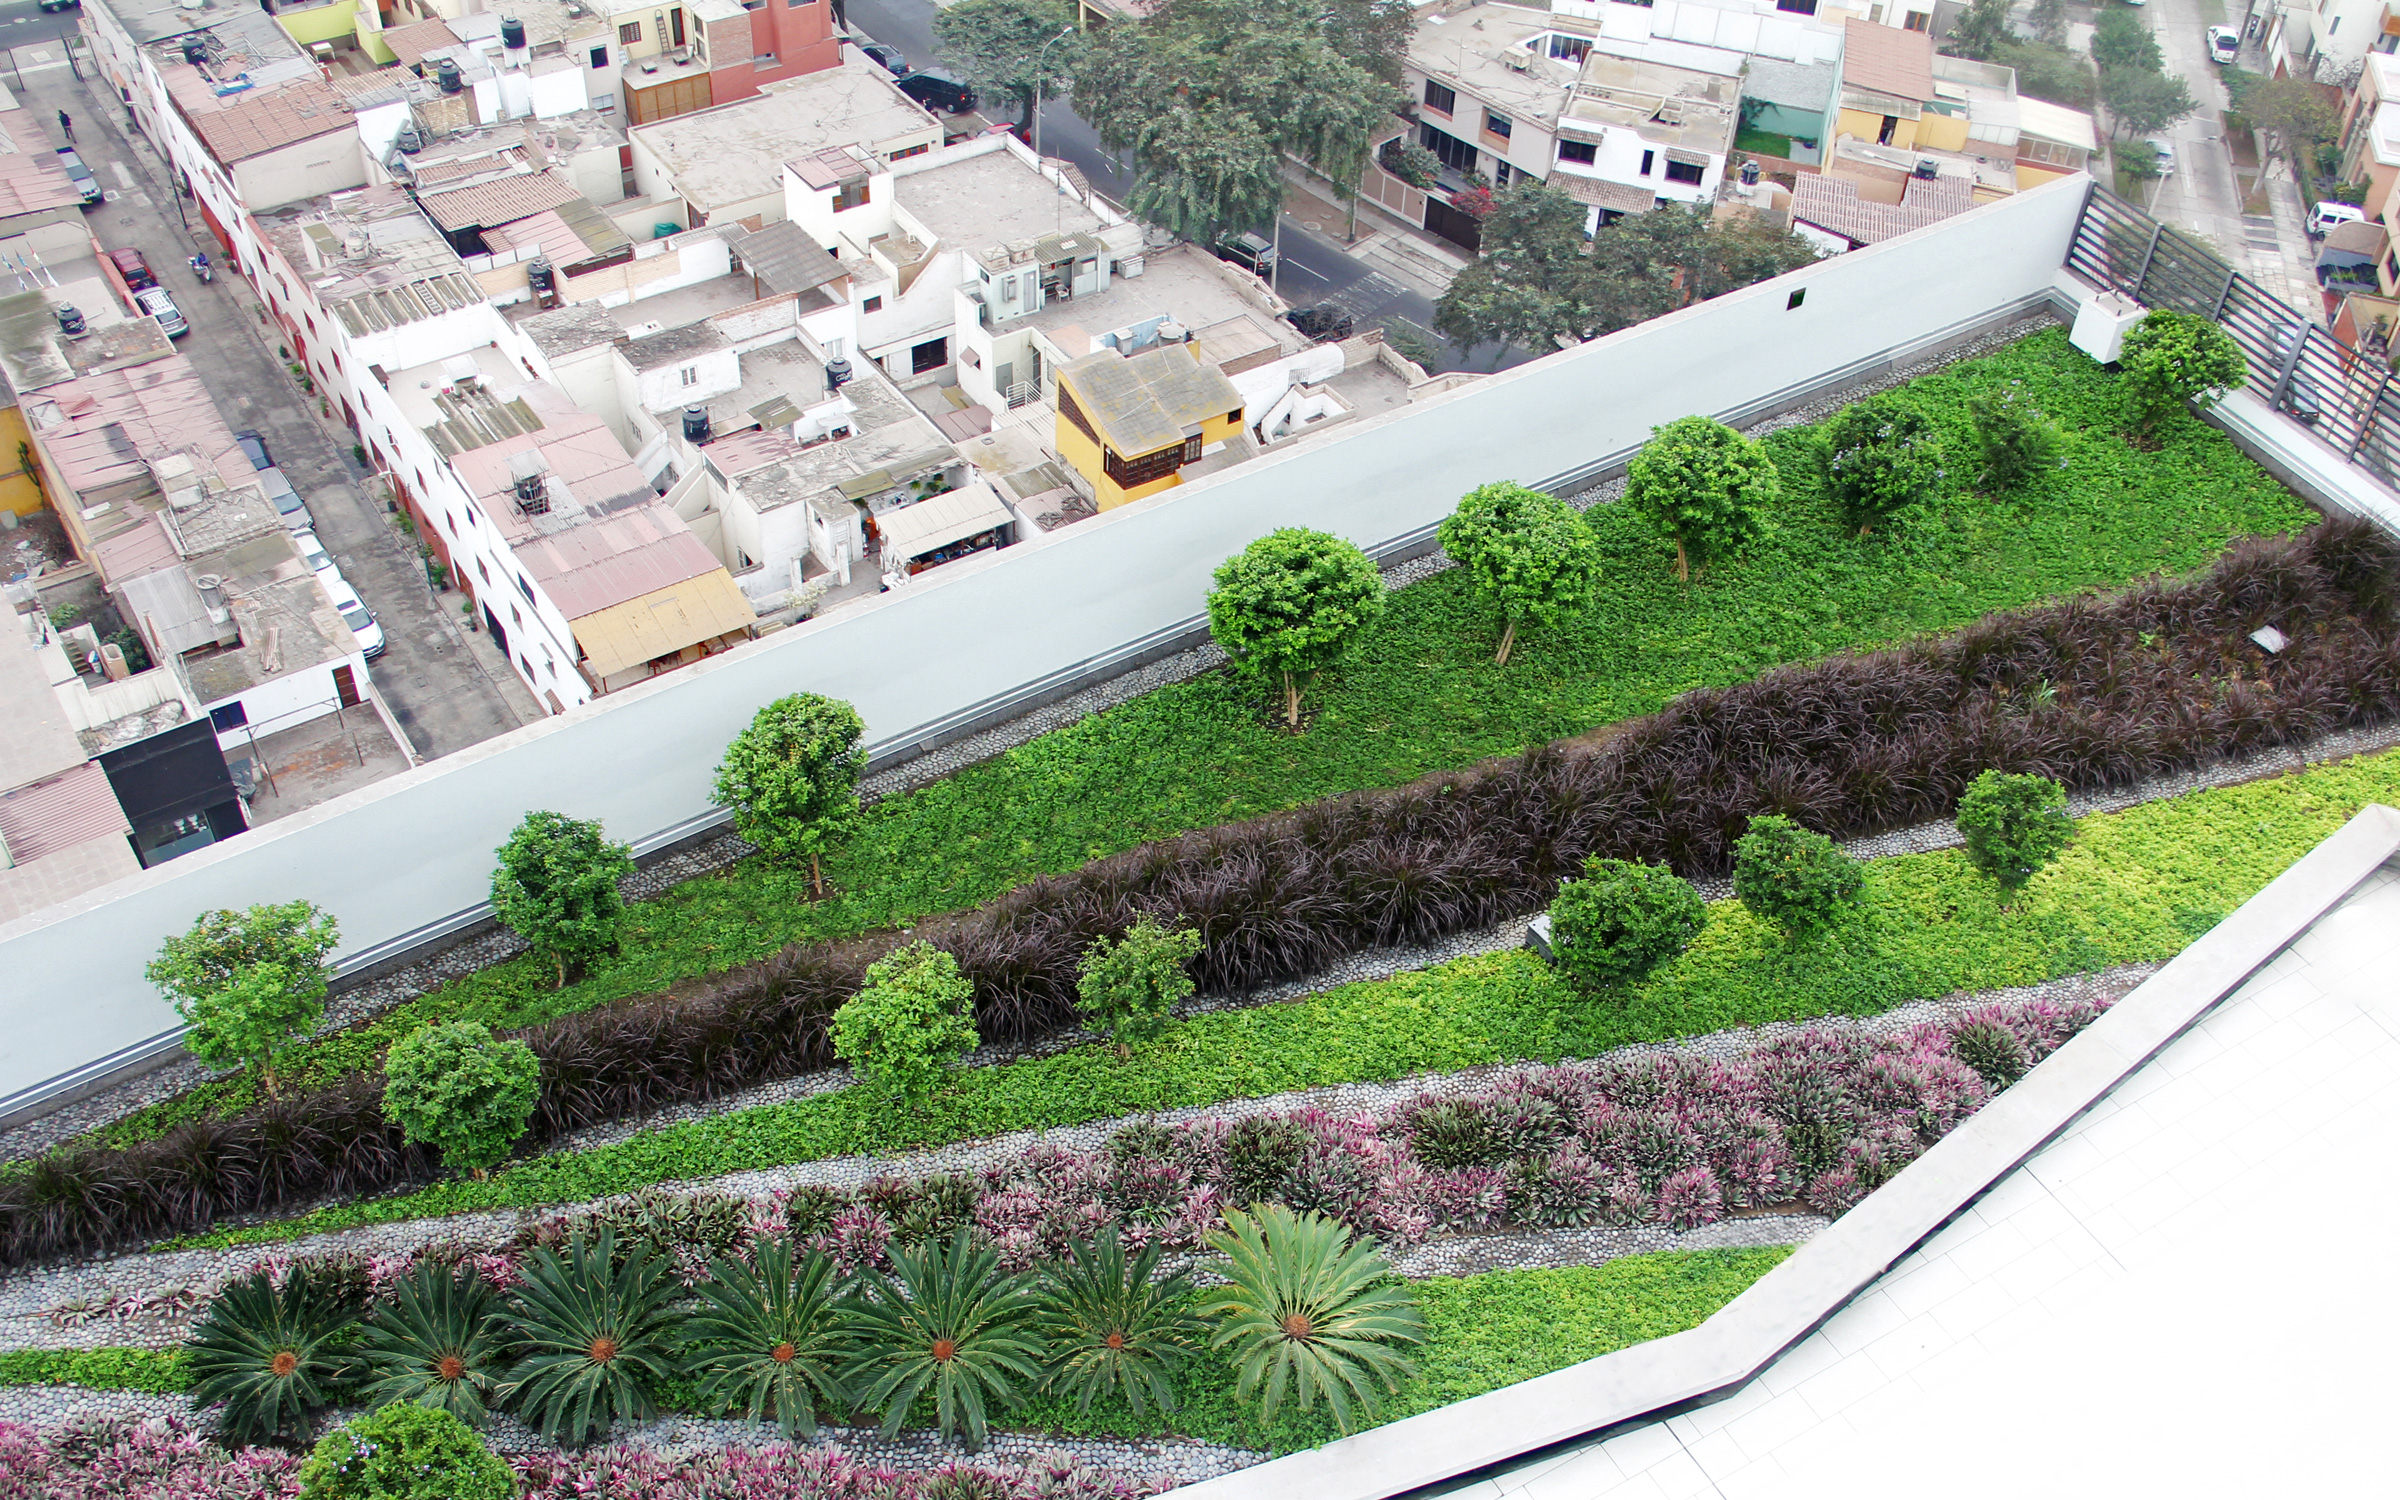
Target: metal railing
x: 2348, y: 396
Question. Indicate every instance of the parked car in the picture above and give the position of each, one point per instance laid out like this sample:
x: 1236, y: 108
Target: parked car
x: 2165, y: 151
x: 81, y: 176
x: 2224, y: 44
x: 1249, y: 251
x: 155, y: 302
x: 133, y: 268
x: 254, y: 448
x: 55, y: 6
x: 356, y: 615
x: 893, y: 62
x: 937, y: 90
x: 2328, y: 216
x: 287, y: 501
x: 1325, y: 323
x: 313, y: 553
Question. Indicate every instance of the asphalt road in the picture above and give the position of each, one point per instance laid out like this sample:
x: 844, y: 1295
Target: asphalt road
x: 25, y: 24
x: 1315, y: 266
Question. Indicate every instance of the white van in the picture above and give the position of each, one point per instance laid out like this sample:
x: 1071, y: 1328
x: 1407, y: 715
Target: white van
x: 2329, y: 216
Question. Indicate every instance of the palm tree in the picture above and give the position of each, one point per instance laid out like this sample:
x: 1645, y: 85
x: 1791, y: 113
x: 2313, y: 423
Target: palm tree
x: 1308, y: 1311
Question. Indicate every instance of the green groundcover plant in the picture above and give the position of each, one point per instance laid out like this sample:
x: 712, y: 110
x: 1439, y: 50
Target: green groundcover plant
x: 1420, y: 695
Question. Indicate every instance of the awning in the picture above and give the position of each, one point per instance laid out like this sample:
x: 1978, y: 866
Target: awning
x: 1617, y: 197
x: 1686, y: 158
x: 661, y: 623
x: 914, y: 530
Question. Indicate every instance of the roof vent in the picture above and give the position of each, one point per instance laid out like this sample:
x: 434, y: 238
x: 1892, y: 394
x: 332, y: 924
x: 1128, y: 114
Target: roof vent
x: 695, y: 425
x: 525, y: 471
x: 212, y: 594
x: 445, y: 73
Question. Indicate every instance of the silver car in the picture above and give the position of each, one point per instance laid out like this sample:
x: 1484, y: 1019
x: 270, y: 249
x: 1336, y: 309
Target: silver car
x: 286, y: 500
x: 154, y: 301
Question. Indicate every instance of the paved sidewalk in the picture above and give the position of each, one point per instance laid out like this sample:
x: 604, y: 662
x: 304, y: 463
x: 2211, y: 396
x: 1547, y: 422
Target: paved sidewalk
x: 1408, y: 256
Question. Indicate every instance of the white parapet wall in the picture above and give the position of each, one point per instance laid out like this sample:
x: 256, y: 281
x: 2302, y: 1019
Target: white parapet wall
x: 412, y: 855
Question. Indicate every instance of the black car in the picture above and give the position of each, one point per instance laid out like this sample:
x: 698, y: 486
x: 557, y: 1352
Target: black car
x: 1253, y: 253
x: 893, y: 62
x: 254, y: 448
x: 55, y: 6
x: 1325, y: 323
x: 938, y: 91
x: 81, y: 176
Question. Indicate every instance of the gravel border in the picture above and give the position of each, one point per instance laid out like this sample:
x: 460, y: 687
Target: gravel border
x: 364, y: 1001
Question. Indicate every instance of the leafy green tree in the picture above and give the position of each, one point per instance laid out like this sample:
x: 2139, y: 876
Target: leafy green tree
x: 791, y: 779
x: 457, y: 1088
x: 598, y: 1328
x: 1307, y: 1311
x: 1620, y: 921
x: 2293, y: 107
x: 1881, y: 457
x: 1132, y: 985
x: 1704, y: 486
x: 2048, y: 22
x: 1979, y: 31
x: 1292, y: 604
x: 405, y: 1453
x: 2144, y: 102
x: 2014, y: 825
x: 2122, y: 39
x: 557, y: 888
x: 2012, y: 440
x: 1529, y: 553
x: 1115, y: 1328
x: 2171, y: 359
x: 911, y: 1023
x: 948, y: 1324
x: 1526, y: 287
x: 247, y: 982
x: 437, y: 1343
x: 1205, y: 171
x: 268, y: 1355
x: 1020, y: 48
x: 1794, y: 876
x: 2047, y: 70
x: 768, y: 1340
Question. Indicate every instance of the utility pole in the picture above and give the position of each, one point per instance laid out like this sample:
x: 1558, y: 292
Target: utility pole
x: 1038, y: 58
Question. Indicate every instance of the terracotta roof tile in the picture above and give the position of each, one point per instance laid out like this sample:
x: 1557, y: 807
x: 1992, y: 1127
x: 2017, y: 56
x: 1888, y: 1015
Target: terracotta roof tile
x: 1833, y: 204
x: 1888, y: 60
x: 236, y: 127
x: 504, y: 200
x: 69, y: 809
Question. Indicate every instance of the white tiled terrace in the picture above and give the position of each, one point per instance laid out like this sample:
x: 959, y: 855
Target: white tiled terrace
x: 2187, y: 1293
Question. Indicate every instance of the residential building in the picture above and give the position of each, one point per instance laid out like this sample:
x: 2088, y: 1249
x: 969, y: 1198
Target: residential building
x: 725, y: 164
x: 1640, y: 135
x: 35, y: 190
x: 1131, y: 424
x: 62, y: 830
x: 1838, y: 211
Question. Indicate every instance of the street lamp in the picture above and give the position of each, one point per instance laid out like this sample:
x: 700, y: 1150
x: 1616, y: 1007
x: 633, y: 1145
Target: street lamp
x: 1037, y: 87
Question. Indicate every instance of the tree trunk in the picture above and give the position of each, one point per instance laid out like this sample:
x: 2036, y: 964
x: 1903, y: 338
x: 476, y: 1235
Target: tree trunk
x: 1508, y: 638
x: 1291, y: 701
x: 266, y: 1079
x: 1683, y: 563
x: 562, y: 971
x: 816, y: 878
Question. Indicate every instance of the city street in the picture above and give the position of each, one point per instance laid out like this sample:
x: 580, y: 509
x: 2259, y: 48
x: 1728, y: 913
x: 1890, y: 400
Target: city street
x: 448, y: 688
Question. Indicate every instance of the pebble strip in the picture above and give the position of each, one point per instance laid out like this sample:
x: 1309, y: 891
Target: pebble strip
x: 357, y: 1004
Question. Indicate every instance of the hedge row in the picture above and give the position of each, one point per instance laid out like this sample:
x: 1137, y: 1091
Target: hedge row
x: 2093, y: 692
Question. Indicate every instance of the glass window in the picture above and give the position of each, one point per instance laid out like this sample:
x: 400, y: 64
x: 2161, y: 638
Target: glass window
x: 600, y: 56
x: 1647, y: 158
x: 1685, y: 171
x: 230, y: 716
x: 872, y: 304
x: 1440, y: 96
x: 630, y: 32
x: 1497, y: 123
x: 1582, y: 151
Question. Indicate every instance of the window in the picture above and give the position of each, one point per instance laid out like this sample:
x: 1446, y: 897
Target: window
x: 1440, y: 96
x: 1500, y: 174
x: 1798, y: 7
x: 231, y: 716
x: 1570, y: 48
x: 872, y: 304
x: 905, y: 152
x: 796, y: 4
x: 1497, y: 123
x: 630, y: 32
x: 2330, y: 30
x: 480, y: 568
x: 516, y: 616
x: 690, y: 374
x: 971, y: 359
x: 600, y: 56
x: 1795, y: 299
x: 525, y: 588
x: 1455, y: 154
x: 1685, y: 171
x: 1647, y: 158
x: 1582, y: 151
x: 850, y: 195
x: 451, y: 522
x: 605, y: 103
x: 930, y: 355
x: 1918, y: 21
x: 763, y: 60
x: 528, y: 666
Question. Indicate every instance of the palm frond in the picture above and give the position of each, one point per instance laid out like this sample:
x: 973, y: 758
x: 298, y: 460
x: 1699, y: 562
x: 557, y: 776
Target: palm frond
x: 1309, y: 1313
x: 768, y: 1339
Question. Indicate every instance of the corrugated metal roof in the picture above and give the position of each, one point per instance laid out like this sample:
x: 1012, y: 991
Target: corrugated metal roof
x: 503, y: 200
x: 662, y: 623
x: 407, y: 302
x: 785, y: 259
x: 1143, y: 403
x: 69, y: 809
x: 1887, y: 60
x: 2055, y: 122
x: 914, y: 530
x: 615, y: 559
x: 133, y: 552
x: 32, y: 178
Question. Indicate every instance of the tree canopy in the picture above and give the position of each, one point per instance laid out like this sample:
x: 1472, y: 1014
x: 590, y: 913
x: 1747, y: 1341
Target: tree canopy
x: 1292, y: 604
x: 791, y: 779
x: 1011, y: 47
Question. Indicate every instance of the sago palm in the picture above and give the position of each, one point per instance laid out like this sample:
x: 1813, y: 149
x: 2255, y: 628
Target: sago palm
x: 1112, y: 1328
x: 769, y: 1339
x: 595, y: 1334
x: 1308, y: 1311
x: 266, y: 1354
x: 438, y: 1343
x: 945, y: 1321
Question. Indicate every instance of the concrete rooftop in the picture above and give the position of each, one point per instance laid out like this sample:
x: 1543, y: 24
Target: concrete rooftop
x: 989, y: 200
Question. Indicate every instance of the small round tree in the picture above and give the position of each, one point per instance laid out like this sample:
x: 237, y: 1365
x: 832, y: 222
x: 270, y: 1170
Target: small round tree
x: 2014, y: 824
x: 1881, y: 457
x: 557, y: 888
x: 1704, y: 486
x: 1794, y: 877
x: 1130, y: 986
x: 457, y: 1088
x: 1529, y: 553
x: 405, y: 1452
x: 911, y: 1023
x: 791, y: 779
x: 247, y: 982
x: 1620, y: 921
x: 2012, y: 441
x: 2171, y: 359
x: 1292, y: 604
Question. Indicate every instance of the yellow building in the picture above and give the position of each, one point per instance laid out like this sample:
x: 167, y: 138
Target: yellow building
x: 1132, y: 425
x: 1887, y: 80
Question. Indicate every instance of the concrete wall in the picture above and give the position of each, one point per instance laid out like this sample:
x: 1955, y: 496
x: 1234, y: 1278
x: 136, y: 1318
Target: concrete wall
x: 987, y: 637
x: 287, y: 702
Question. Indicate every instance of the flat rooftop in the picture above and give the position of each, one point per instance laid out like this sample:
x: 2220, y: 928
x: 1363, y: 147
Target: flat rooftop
x: 990, y: 199
x: 1185, y: 283
x: 373, y: 258
x: 735, y: 152
x: 1672, y: 106
x: 771, y: 471
x: 33, y: 352
x: 288, y: 623
x: 1483, y: 51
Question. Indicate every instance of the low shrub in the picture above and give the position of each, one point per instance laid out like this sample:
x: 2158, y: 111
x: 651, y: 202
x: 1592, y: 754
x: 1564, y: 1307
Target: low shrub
x: 1620, y: 921
x: 405, y: 1452
x: 1881, y: 457
x: 268, y: 1355
x: 909, y: 1024
x: 2014, y: 825
x: 460, y: 1090
x: 1794, y: 876
x: 1131, y: 986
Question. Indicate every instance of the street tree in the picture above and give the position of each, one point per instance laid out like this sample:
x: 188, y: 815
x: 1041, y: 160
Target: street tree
x: 1205, y: 171
x: 247, y: 982
x: 556, y: 888
x: 2122, y: 39
x: 1526, y: 287
x: 1703, y: 486
x: 2293, y: 108
x: 2144, y: 102
x: 1529, y: 554
x: 1292, y: 604
x: 791, y: 779
x: 1980, y: 31
x: 1024, y: 49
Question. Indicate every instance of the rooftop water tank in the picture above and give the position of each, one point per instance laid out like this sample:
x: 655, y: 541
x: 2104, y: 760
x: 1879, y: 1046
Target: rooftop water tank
x: 445, y: 73
x: 512, y: 33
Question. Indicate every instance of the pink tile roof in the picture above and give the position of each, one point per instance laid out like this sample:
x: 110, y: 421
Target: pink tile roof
x: 71, y: 808
x: 105, y: 428
x: 137, y: 551
x: 616, y: 559
x: 544, y: 231
x: 239, y: 126
x: 503, y: 200
x: 1833, y: 204
x: 1888, y: 60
